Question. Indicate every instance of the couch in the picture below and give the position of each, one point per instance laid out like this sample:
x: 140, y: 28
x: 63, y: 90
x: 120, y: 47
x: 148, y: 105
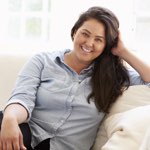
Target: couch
x: 127, y: 126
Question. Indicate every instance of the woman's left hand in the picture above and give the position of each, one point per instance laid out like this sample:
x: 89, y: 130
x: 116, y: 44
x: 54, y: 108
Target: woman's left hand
x: 120, y: 48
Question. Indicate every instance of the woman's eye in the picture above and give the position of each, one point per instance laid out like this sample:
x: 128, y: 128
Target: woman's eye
x: 85, y: 34
x: 98, y: 40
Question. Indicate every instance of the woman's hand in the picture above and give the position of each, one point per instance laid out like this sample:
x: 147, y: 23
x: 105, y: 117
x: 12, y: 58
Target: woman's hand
x: 10, y: 135
x: 139, y: 65
x: 120, y: 48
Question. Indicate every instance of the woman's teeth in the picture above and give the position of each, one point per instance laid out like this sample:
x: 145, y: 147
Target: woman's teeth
x: 86, y: 50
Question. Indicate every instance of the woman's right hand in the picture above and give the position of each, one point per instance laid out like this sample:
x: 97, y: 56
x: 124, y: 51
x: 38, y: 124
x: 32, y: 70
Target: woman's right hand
x: 11, y: 137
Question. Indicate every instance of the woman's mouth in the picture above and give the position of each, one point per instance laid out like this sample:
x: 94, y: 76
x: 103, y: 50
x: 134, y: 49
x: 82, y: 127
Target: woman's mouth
x: 87, y: 50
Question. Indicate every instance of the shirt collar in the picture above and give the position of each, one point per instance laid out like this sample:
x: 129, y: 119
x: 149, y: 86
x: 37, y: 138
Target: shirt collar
x: 60, y: 59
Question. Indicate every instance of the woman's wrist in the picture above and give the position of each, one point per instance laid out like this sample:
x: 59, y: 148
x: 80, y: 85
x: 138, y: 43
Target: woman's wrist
x: 9, y: 117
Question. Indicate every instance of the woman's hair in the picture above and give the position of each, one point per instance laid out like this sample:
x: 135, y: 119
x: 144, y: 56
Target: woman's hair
x: 109, y: 75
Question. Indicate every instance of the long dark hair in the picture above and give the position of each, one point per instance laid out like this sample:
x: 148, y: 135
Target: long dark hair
x: 109, y: 75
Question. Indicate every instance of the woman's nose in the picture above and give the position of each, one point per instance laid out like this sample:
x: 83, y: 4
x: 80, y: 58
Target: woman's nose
x: 90, y: 42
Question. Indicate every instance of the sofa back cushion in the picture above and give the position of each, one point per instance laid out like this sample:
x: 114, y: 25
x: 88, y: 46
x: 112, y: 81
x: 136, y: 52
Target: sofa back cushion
x: 9, y: 68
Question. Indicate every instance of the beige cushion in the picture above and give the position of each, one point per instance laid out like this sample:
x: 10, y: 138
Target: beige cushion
x: 127, y: 130
x: 122, y: 116
x: 146, y: 141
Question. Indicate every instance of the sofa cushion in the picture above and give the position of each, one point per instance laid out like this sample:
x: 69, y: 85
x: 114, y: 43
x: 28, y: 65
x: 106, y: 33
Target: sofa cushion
x: 133, y: 98
x: 127, y: 130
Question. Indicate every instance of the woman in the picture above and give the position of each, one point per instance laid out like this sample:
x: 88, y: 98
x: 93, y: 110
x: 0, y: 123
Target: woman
x: 64, y: 95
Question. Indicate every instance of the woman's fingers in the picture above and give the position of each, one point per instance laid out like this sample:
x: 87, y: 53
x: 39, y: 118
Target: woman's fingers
x: 8, y: 146
x: 22, y: 147
x: 10, y: 143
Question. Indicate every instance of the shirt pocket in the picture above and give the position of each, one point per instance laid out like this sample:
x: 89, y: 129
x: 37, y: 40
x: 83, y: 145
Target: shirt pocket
x: 53, y: 79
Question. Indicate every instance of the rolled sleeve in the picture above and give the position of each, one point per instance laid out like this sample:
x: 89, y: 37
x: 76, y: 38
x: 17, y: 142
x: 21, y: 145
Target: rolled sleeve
x: 135, y: 78
x: 27, y: 83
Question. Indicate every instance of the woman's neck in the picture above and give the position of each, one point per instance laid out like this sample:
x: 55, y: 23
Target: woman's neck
x: 74, y: 63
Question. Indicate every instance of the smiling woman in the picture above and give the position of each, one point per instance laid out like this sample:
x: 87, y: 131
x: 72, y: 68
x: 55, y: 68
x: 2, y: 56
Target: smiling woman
x: 64, y: 95
x: 89, y: 40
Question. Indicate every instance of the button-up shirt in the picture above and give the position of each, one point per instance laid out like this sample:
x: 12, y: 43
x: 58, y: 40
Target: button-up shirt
x: 55, y: 97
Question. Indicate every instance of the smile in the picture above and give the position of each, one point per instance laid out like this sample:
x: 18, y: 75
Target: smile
x: 86, y: 50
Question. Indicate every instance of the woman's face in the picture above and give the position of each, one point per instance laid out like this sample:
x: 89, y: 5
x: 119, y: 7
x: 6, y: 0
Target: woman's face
x: 89, y: 41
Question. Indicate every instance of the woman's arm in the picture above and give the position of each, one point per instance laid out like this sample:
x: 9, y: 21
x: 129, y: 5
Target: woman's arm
x: 21, y: 103
x: 10, y: 135
x: 16, y: 111
x: 140, y: 66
